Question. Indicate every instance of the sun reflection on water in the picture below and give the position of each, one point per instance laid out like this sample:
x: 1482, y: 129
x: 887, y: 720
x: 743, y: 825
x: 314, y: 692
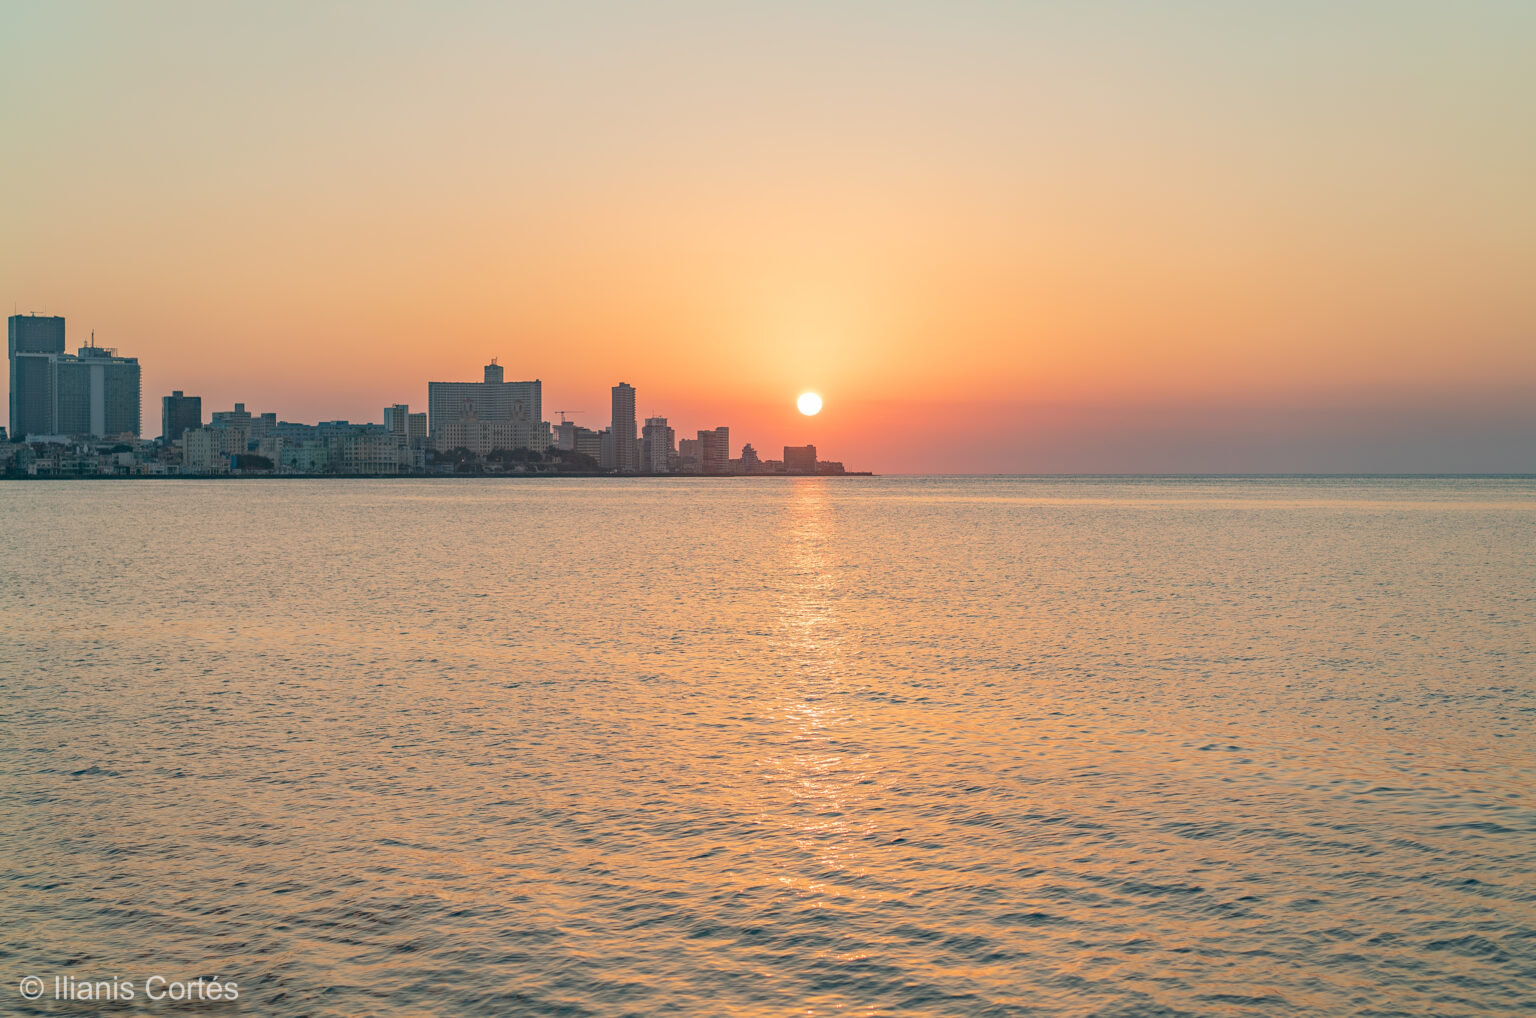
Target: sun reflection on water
x: 818, y: 766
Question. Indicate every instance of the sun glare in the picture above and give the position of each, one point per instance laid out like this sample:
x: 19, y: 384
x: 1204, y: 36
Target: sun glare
x: 809, y: 404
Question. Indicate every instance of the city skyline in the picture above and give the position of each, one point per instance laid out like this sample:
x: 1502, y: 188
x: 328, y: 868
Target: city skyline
x: 38, y: 338
x: 81, y: 417
x: 998, y: 239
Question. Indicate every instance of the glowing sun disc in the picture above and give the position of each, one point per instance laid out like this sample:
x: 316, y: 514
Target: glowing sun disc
x: 809, y: 404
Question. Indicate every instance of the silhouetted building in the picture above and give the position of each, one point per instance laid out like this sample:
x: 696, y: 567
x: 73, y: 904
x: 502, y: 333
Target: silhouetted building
x: 656, y: 441
x: 624, y: 459
x: 688, y: 455
x: 178, y: 414
x: 488, y: 415
x: 607, y: 451
x: 715, y: 451
x: 800, y: 459
x: 750, y: 464
x: 31, y: 341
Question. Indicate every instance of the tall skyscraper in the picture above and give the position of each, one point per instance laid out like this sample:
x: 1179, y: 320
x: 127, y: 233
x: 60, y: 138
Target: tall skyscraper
x: 624, y: 459
x: 31, y: 341
x: 178, y: 414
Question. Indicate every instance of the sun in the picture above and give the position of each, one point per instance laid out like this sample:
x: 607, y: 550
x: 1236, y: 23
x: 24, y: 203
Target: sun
x: 809, y: 404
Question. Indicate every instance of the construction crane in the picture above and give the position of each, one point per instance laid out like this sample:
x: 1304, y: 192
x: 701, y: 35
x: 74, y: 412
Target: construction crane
x: 562, y: 413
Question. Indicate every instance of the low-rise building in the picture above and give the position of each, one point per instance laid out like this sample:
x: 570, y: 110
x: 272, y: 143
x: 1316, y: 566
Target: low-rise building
x: 203, y: 451
x: 306, y: 456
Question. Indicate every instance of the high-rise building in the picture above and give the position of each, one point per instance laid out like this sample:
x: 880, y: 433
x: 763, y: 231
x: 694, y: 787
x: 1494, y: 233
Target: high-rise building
x: 656, y: 446
x: 715, y: 451
x: 624, y: 459
x: 800, y: 459
x: 31, y: 341
x: 483, y: 416
x: 178, y: 414
x: 399, y: 421
x: 607, y: 452
x: 91, y: 392
x: 750, y: 464
x: 116, y: 391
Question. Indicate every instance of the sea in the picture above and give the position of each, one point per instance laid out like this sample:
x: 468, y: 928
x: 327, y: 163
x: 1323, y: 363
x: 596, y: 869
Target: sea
x: 794, y: 746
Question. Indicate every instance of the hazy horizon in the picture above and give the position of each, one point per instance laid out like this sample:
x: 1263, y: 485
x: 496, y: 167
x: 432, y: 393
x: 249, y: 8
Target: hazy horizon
x: 998, y: 240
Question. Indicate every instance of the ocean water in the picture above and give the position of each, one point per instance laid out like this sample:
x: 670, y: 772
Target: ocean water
x: 859, y: 746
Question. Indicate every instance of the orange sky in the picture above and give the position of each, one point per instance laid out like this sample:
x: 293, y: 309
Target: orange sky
x: 995, y: 237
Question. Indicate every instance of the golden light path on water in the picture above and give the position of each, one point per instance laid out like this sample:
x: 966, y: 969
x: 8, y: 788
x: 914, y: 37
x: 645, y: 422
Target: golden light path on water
x: 821, y: 775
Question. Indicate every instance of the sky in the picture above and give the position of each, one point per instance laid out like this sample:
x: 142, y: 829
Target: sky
x: 997, y: 237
